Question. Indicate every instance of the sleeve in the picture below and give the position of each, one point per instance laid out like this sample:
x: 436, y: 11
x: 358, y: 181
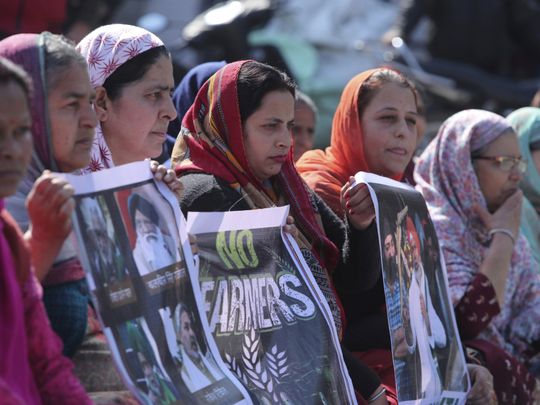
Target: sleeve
x: 478, y: 306
x: 7, y: 395
x: 52, y: 371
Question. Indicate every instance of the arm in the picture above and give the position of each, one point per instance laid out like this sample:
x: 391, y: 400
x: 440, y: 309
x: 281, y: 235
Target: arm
x: 52, y: 371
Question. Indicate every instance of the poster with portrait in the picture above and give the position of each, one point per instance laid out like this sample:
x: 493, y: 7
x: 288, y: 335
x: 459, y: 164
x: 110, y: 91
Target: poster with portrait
x: 269, y: 318
x: 133, y: 245
x: 428, y: 359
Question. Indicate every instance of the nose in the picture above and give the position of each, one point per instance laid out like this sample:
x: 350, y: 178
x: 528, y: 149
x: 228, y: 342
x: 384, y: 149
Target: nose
x: 404, y: 130
x: 515, y: 174
x: 285, y: 138
x: 169, y: 112
x: 88, y: 117
x: 11, y: 148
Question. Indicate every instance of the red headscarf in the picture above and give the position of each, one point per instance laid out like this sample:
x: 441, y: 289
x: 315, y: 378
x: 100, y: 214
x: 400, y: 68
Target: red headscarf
x: 212, y: 141
x: 326, y: 171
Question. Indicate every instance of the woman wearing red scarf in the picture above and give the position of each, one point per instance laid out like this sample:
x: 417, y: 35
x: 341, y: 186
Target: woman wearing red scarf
x: 234, y: 153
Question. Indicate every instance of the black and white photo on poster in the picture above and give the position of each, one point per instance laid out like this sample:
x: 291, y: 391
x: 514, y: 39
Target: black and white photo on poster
x: 428, y: 359
x: 269, y: 318
x: 133, y: 244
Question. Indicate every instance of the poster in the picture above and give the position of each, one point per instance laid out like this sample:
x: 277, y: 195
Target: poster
x: 270, y: 320
x: 133, y: 244
x: 428, y: 359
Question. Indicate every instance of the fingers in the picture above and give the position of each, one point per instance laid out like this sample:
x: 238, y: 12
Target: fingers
x: 482, y: 391
x: 483, y: 214
x: 290, y: 220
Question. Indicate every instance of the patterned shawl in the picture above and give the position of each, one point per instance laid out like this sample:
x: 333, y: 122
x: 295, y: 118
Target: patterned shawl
x: 446, y: 178
x: 526, y: 123
x: 105, y: 50
x: 27, y: 50
x: 212, y: 141
x: 326, y: 171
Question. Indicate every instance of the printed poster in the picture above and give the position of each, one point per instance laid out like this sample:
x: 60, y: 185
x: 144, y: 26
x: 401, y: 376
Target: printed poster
x: 134, y: 247
x: 428, y: 358
x: 271, y: 323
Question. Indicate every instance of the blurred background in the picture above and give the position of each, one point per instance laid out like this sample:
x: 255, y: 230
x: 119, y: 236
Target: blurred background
x: 460, y: 53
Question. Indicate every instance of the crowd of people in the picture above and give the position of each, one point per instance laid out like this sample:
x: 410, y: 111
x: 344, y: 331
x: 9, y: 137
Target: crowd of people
x: 240, y: 136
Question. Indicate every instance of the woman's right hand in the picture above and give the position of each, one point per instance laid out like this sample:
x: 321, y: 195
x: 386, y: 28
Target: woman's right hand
x: 507, y: 216
x: 50, y: 205
x: 357, y: 204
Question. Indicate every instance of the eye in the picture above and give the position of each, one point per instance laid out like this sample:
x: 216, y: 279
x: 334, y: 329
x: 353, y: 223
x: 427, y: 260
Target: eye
x: 21, y: 131
x: 74, y: 105
x: 411, y: 121
x: 388, y: 118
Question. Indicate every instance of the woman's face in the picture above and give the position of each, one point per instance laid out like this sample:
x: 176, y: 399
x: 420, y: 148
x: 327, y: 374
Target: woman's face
x: 303, y: 129
x: 15, y: 137
x: 389, y: 128
x: 72, y: 117
x: 267, y: 134
x: 135, y: 124
x: 496, y: 184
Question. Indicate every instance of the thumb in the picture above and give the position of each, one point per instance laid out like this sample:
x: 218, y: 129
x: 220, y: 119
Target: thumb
x: 483, y: 213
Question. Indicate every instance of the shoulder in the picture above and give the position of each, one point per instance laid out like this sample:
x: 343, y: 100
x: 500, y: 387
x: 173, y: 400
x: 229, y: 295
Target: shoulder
x: 206, y: 192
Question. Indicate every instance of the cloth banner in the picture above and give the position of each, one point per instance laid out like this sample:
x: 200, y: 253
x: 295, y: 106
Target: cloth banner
x: 133, y: 244
x: 429, y: 364
x: 271, y: 323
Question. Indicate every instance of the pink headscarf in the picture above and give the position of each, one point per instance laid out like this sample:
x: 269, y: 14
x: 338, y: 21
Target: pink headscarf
x: 105, y: 50
x: 446, y: 178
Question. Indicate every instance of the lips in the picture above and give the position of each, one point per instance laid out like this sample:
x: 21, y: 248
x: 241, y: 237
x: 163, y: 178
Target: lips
x: 398, y: 151
x: 279, y: 158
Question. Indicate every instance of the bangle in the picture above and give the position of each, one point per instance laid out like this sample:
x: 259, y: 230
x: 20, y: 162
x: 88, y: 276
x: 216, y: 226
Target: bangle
x: 376, y: 396
x: 505, y: 231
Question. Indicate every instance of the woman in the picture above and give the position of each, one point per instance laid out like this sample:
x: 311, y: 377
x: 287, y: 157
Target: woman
x: 469, y: 176
x: 305, y: 119
x: 32, y: 368
x: 235, y: 154
x: 63, y: 129
x: 526, y: 123
x: 374, y: 130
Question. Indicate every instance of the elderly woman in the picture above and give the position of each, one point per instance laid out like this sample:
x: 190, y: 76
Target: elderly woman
x: 469, y: 176
x: 526, y: 123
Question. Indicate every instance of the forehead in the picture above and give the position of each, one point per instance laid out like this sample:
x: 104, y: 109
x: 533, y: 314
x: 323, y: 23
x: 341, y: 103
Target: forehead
x: 72, y: 78
x: 13, y: 101
x: 278, y: 103
x: 505, y: 144
x: 160, y: 74
x: 392, y: 95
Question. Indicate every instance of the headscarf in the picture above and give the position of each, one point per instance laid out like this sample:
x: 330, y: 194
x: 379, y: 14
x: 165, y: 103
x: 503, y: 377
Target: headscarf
x: 106, y: 49
x: 187, y: 90
x: 212, y: 141
x: 15, y: 370
x: 28, y: 51
x: 446, y: 178
x: 326, y: 171
x: 526, y: 123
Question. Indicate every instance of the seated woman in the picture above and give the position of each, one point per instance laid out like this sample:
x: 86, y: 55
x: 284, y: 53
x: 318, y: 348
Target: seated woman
x: 374, y: 130
x: 234, y: 153
x: 63, y: 125
x: 526, y: 123
x: 469, y: 176
x: 32, y: 368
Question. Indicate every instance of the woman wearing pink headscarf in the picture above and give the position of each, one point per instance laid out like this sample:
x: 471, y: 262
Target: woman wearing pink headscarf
x: 469, y: 176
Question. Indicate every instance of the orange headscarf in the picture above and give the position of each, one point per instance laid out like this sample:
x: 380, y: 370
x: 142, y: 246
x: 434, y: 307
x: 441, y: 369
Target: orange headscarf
x: 326, y: 171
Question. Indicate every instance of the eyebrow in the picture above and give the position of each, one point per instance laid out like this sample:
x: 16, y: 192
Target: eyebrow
x: 395, y: 109
x: 75, y: 94
x: 160, y: 87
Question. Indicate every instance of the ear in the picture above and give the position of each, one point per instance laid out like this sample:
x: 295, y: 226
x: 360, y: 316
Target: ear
x: 102, y: 104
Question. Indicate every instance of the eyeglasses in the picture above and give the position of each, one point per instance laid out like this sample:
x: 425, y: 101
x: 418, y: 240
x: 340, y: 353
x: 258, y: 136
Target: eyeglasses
x: 506, y: 163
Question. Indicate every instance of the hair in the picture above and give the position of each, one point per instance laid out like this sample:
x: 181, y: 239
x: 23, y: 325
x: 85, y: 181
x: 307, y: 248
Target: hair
x: 60, y: 54
x: 10, y: 72
x: 373, y: 84
x: 132, y: 71
x: 138, y: 203
x: 177, y: 316
x: 257, y: 79
x: 303, y: 99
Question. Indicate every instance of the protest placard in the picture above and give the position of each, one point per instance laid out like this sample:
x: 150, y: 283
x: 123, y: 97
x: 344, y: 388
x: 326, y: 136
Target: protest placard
x: 133, y: 244
x: 428, y: 358
x: 269, y: 318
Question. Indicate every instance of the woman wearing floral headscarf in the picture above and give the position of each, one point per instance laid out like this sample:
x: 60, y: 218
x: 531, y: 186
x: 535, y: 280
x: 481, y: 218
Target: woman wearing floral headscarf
x: 469, y: 176
x: 526, y: 123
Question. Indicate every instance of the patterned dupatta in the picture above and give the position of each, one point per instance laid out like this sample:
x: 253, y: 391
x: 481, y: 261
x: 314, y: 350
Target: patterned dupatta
x: 212, y: 141
x: 105, y: 50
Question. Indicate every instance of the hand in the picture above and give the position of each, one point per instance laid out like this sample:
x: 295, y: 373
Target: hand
x: 50, y: 205
x: 290, y: 227
x: 482, y: 391
x: 357, y: 204
x: 401, y: 348
x: 168, y: 176
x: 507, y: 216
